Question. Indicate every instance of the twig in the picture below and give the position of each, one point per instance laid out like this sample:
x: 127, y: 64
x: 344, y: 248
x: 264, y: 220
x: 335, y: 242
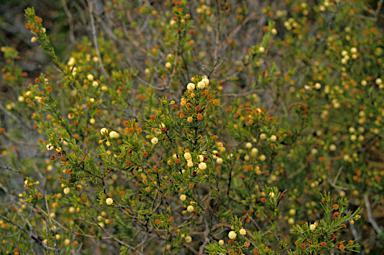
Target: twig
x: 229, y: 181
x: 370, y: 215
x: 333, y: 183
x: 356, y: 235
x: 70, y: 21
x: 281, y: 197
x: 9, y: 168
x: 217, y: 29
x: 337, y: 175
x: 206, y: 239
x: 85, y: 155
x: 36, y: 239
x: 296, y: 172
x: 190, y: 248
x: 15, y: 117
x: 236, y: 30
x: 378, y: 9
x: 90, y: 3
x: 215, y: 65
x: 4, y: 188
x: 149, y: 85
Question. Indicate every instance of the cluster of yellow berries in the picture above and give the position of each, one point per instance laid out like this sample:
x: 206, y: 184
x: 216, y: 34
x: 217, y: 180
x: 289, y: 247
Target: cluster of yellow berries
x: 232, y: 234
x: 200, y: 85
x: 112, y: 134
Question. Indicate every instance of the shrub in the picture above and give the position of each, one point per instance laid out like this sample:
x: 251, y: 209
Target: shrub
x: 192, y: 128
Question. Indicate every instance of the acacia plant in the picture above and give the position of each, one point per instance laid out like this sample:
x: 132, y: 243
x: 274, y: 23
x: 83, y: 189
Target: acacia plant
x: 199, y: 127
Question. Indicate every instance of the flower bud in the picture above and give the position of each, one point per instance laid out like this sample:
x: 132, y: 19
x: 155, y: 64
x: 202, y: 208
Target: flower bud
x: 202, y: 166
x: 205, y: 81
x: 103, y: 131
x: 154, y: 140
x: 114, y: 134
x: 232, y: 235
x: 191, y: 86
x: 254, y: 152
x: 200, y: 85
x: 187, y: 156
x: 190, y: 208
x: 312, y: 227
x: 188, y: 239
x: 109, y: 201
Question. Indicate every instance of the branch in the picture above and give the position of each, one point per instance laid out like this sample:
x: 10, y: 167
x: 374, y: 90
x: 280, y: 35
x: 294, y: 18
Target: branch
x: 236, y: 30
x: 70, y: 21
x: 190, y: 248
x: 280, y: 197
x: 206, y: 239
x: 90, y: 3
x: 378, y: 9
x: 370, y: 215
x: 9, y: 168
x: 37, y: 239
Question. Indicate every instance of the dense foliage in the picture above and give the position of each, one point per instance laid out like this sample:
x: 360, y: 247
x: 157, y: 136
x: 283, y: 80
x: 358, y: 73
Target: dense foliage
x: 198, y: 127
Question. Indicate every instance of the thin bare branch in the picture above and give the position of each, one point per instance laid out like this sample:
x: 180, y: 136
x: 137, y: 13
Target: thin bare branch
x: 90, y: 4
x: 371, y: 218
